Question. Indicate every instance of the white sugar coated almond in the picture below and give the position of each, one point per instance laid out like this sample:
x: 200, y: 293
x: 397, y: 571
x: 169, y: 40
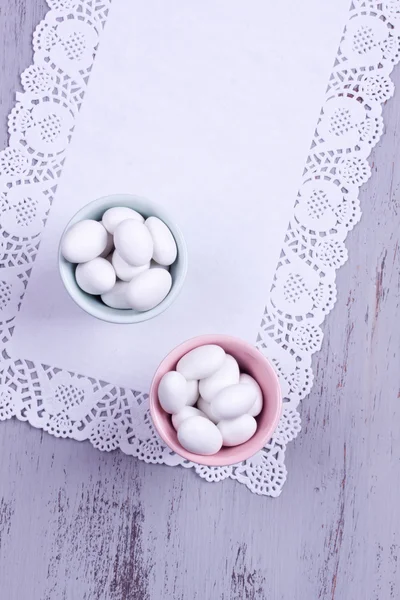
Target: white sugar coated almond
x: 164, y: 245
x: 185, y: 413
x: 148, y: 289
x: 133, y: 242
x: 206, y: 408
x: 84, y: 241
x: 96, y: 276
x: 109, y: 247
x: 114, y: 216
x: 172, y: 392
x: 237, y: 431
x: 199, y: 435
x: 201, y: 362
x: 192, y: 392
x: 233, y: 401
x: 227, y: 374
x: 125, y: 271
x: 116, y: 297
x: 256, y: 408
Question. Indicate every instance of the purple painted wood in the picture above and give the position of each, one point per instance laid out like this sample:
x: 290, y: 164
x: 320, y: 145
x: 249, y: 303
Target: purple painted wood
x: 79, y: 524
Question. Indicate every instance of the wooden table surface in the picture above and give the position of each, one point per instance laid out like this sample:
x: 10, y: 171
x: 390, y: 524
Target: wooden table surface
x: 79, y: 524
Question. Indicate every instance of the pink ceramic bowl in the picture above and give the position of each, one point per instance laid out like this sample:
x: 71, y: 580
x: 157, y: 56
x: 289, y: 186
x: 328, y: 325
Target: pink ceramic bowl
x: 251, y: 361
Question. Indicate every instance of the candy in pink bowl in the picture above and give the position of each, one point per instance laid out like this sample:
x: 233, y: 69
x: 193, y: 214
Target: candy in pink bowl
x: 250, y: 361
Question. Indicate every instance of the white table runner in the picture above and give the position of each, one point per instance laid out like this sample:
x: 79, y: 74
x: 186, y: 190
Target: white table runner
x: 208, y: 110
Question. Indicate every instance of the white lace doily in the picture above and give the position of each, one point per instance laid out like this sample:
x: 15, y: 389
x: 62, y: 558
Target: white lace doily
x: 326, y: 208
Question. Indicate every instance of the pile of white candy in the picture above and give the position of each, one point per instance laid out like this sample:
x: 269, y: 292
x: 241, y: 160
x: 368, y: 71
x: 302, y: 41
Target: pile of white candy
x: 212, y: 404
x: 124, y: 258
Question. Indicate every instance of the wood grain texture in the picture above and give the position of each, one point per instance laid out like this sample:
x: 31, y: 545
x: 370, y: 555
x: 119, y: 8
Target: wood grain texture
x: 79, y: 524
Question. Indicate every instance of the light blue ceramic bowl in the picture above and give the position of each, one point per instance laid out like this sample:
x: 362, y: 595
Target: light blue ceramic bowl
x: 93, y: 304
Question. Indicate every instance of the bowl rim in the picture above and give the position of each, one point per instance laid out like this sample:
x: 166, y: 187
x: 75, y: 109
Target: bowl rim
x: 91, y: 304
x: 235, y: 454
